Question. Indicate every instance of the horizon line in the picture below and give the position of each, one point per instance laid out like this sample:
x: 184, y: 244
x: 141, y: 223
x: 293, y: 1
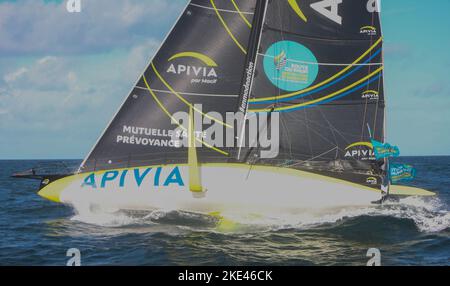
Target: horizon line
x: 80, y: 159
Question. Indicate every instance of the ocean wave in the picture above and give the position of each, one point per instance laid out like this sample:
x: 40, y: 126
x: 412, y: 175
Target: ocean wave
x: 429, y: 215
x: 102, y: 215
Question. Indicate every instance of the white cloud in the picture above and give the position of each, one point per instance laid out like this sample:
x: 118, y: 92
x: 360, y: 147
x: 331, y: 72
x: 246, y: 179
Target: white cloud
x: 67, y: 95
x: 15, y: 75
x: 31, y: 26
x: 64, y: 75
x: 47, y: 73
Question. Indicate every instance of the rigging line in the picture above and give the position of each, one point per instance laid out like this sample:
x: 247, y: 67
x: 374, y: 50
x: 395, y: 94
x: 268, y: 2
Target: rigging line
x: 378, y: 103
x: 283, y: 121
x: 326, y: 139
x: 317, y: 132
x: 224, y: 24
x: 185, y: 101
x: 331, y: 127
x: 340, y: 133
x: 174, y: 120
x: 324, y: 98
x: 368, y: 128
x: 260, y: 130
x: 322, y: 64
x: 283, y: 39
x: 288, y: 136
x: 320, y: 135
x: 316, y: 157
x: 323, y: 82
x: 325, y: 86
x: 308, y: 133
x: 305, y: 122
x: 367, y: 100
x: 376, y: 110
x: 364, y: 120
x: 323, y: 126
x: 241, y: 14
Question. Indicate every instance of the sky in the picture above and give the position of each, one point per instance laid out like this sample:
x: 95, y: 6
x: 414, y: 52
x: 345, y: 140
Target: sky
x: 63, y: 76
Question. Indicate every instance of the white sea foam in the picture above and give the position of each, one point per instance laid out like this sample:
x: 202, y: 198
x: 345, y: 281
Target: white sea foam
x: 105, y: 219
x: 429, y: 215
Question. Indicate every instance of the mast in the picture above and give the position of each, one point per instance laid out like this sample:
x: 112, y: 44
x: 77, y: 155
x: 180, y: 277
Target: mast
x: 251, y: 62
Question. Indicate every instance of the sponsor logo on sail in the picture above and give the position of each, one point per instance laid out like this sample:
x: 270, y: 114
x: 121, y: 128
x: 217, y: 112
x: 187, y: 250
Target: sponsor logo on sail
x: 290, y: 66
x: 368, y: 30
x: 360, y: 151
x: 370, y: 95
x: 372, y: 181
x: 200, y: 68
x: 280, y: 60
x: 249, y: 72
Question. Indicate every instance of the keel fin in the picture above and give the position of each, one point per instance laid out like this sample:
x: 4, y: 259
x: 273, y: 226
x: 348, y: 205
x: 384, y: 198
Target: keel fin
x: 224, y: 224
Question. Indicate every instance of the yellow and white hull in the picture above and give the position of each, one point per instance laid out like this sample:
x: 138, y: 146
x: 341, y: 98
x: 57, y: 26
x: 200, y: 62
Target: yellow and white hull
x: 236, y: 188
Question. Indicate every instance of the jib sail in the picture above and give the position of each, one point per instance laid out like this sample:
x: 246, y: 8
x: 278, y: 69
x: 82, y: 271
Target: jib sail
x: 320, y: 66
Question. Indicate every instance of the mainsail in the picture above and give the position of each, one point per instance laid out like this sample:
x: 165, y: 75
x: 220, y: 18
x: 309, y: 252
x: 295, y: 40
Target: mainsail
x: 202, y: 61
x: 316, y: 62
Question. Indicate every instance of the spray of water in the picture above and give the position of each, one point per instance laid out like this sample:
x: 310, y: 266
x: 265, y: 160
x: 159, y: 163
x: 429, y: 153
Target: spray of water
x: 428, y: 214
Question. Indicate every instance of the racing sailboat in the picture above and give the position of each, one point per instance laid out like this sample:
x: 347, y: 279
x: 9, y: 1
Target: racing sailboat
x: 313, y: 66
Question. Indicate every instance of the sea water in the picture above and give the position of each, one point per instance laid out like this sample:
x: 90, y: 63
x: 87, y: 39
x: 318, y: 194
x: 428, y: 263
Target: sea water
x: 412, y: 231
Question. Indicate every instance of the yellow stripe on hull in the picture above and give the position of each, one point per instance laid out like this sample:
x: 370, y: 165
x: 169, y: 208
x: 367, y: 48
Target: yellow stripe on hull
x: 53, y: 191
x: 398, y: 190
